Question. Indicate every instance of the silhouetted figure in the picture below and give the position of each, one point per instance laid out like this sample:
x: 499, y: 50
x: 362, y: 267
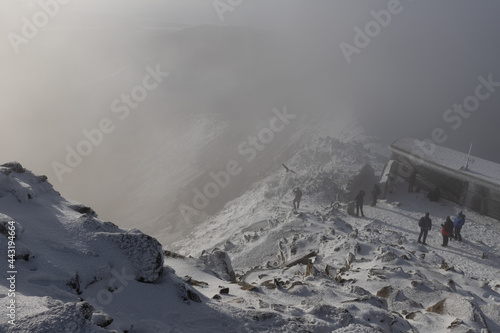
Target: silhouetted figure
x: 434, y: 195
x: 411, y: 180
x: 391, y: 183
x: 458, y: 223
x: 359, y: 202
x: 447, y: 230
x: 375, y: 193
x: 425, y: 225
x: 298, y: 196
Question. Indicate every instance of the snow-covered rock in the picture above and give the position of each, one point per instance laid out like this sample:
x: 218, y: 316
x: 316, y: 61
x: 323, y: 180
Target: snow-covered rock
x: 219, y: 262
x: 60, y: 248
x: 67, y: 317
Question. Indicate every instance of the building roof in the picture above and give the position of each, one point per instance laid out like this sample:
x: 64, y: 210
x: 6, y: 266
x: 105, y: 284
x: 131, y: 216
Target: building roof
x: 448, y: 160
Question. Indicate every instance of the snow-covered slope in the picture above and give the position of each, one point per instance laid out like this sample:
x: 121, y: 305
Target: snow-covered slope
x: 71, y: 272
x: 256, y: 266
x: 323, y: 270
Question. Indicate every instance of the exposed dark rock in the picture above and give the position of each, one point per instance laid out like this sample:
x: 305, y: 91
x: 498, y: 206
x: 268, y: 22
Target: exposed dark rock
x: 437, y: 308
x: 457, y: 322
x: 411, y: 315
x: 247, y: 286
x: 296, y: 283
x: 193, y: 296
x: 446, y: 267
x: 14, y: 166
x: 200, y: 284
x: 349, y: 260
x: 173, y: 255
x: 224, y: 291
x: 301, y: 260
x: 385, y: 292
x: 74, y: 283
x: 269, y: 284
x: 310, y: 269
x: 42, y: 178
x: 452, y: 285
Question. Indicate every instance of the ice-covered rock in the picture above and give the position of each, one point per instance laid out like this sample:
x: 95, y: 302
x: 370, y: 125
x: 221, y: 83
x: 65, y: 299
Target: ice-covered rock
x: 144, y: 252
x: 101, y: 319
x: 219, y: 262
x: 67, y: 317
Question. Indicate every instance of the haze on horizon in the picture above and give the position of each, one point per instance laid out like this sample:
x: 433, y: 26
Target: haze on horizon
x: 427, y: 58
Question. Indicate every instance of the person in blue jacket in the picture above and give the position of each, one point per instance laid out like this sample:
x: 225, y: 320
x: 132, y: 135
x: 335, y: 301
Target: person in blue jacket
x: 425, y: 224
x: 458, y: 223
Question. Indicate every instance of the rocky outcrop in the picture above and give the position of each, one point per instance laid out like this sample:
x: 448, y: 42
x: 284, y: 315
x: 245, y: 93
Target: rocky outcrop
x: 62, y: 318
x: 144, y: 252
x: 219, y: 263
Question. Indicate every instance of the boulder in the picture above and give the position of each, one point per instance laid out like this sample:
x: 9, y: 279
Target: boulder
x: 144, y: 252
x: 62, y: 318
x: 101, y: 319
x: 219, y: 263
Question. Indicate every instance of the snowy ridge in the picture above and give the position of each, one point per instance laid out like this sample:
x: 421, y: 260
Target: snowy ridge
x: 73, y: 272
x: 323, y: 270
x: 256, y: 266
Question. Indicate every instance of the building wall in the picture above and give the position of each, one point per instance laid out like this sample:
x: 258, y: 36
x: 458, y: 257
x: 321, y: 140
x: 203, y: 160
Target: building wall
x: 478, y: 197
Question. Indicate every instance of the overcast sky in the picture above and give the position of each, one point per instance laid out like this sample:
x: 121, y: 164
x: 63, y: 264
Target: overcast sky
x: 402, y: 74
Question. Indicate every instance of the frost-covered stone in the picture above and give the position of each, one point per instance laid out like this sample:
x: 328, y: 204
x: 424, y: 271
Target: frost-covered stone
x: 6, y: 222
x: 340, y: 317
x: 14, y: 166
x: 459, y: 307
x: 144, y: 252
x: 68, y: 317
x: 219, y: 262
x: 387, y: 256
x: 356, y: 328
x: 101, y: 319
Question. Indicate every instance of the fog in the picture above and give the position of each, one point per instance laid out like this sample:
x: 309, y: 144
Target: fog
x: 211, y: 72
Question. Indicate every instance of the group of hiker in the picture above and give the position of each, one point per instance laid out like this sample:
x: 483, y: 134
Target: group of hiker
x: 359, y: 199
x: 449, y: 229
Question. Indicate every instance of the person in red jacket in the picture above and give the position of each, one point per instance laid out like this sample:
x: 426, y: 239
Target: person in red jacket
x: 447, y: 230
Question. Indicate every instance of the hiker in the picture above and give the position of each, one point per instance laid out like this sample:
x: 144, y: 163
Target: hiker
x: 375, y: 193
x: 434, y: 195
x: 458, y: 223
x: 425, y: 225
x: 411, y: 180
x: 359, y: 202
x: 296, y: 200
x: 447, y: 230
